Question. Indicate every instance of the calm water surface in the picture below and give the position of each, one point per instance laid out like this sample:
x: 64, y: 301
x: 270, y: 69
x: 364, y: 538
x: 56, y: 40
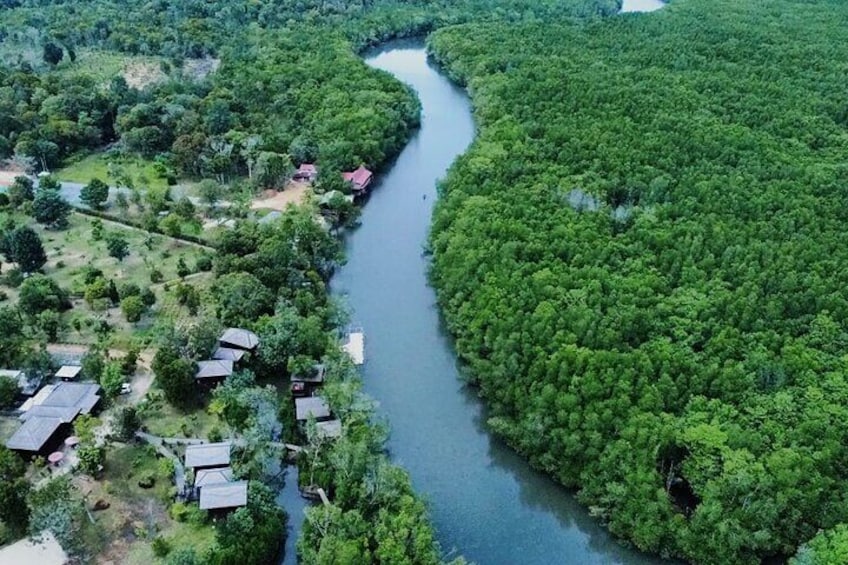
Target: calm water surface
x: 486, y: 503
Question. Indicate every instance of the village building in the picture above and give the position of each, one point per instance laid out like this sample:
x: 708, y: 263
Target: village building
x: 330, y: 429
x: 302, y: 383
x: 239, y: 338
x: 306, y: 172
x: 205, y: 477
x: 228, y: 354
x: 68, y: 372
x: 207, y: 456
x: 49, y: 414
x: 213, y: 371
x: 223, y: 496
x: 359, y: 179
x: 311, y: 406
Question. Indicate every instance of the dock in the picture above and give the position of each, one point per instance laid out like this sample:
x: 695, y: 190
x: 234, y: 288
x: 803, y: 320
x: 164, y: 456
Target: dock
x: 355, y: 346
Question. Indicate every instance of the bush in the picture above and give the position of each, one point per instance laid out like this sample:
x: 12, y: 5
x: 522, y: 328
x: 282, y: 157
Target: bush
x: 156, y: 276
x: 8, y: 392
x: 204, y: 263
x: 178, y: 512
x: 13, y: 278
x: 161, y: 547
x: 133, y: 308
x: 126, y: 423
x: 91, y: 458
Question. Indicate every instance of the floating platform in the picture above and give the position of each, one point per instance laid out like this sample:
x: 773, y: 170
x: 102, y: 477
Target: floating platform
x: 355, y: 346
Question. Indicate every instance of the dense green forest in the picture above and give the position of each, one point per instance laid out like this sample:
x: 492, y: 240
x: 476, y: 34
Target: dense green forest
x: 289, y: 82
x: 643, y: 260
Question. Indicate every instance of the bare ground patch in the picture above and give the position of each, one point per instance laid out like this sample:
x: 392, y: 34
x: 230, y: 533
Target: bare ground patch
x: 294, y: 193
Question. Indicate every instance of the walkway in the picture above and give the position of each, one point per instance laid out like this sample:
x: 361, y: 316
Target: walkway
x: 179, y: 471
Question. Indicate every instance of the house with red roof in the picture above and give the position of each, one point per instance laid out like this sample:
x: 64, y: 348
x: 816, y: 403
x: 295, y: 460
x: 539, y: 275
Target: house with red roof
x: 360, y: 179
x: 306, y: 172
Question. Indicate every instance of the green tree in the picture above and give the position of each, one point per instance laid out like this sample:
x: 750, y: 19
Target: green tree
x: 91, y: 458
x: 52, y: 53
x: 112, y: 379
x: 14, y: 488
x: 117, y: 246
x: 8, y: 392
x: 133, y: 308
x: 127, y: 423
x: 174, y: 375
x: 95, y: 194
x: 23, y: 246
x: 93, y: 364
x: 50, y: 209
x: 21, y: 190
x: 242, y: 298
x: 39, y: 293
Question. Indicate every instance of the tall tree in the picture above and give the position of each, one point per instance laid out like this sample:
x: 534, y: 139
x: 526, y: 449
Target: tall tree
x: 95, y: 194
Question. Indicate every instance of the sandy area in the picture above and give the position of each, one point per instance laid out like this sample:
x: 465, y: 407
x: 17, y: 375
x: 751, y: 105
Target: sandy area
x: 8, y: 177
x: 295, y: 193
x: 140, y: 74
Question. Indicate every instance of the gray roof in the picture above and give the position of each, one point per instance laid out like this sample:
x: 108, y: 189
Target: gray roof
x: 11, y: 373
x: 33, y: 434
x: 205, y: 477
x: 228, y: 353
x: 223, y: 495
x: 66, y: 401
x: 243, y: 339
x: 316, y: 375
x: 68, y: 371
x: 329, y: 429
x: 208, y: 455
x: 314, y: 406
x: 212, y: 369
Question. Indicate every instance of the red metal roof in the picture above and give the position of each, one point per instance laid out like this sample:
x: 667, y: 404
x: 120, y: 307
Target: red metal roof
x: 360, y: 177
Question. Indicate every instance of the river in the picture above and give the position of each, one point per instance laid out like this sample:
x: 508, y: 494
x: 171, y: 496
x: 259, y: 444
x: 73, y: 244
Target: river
x: 486, y: 503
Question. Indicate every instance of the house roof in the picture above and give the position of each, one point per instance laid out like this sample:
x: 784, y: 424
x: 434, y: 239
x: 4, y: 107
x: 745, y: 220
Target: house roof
x: 215, y: 368
x: 11, y: 373
x: 243, y: 339
x: 329, y: 429
x: 34, y: 433
x: 205, y: 477
x: 228, y: 354
x: 208, y: 455
x: 223, y: 495
x: 44, y: 550
x: 64, y: 400
x: 360, y: 177
x: 314, y: 406
x: 305, y: 168
x: 68, y: 371
x: 316, y: 375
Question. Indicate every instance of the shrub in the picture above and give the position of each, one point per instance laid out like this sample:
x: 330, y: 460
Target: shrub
x: 161, y: 547
x: 156, y: 276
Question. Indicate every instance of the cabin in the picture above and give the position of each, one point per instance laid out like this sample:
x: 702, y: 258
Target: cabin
x: 213, y: 371
x: 205, y: 477
x: 207, y: 456
x: 68, y: 372
x: 330, y: 429
x: 228, y: 354
x: 360, y: 179
x: 223, y: 497
x: 311, y: 406
x: 306, y: 172
x: 48, y: 416
x: 239, y: 339
x: 302, y: 383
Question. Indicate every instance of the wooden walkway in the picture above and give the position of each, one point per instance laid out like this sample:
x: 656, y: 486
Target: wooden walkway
x: 355, y: 347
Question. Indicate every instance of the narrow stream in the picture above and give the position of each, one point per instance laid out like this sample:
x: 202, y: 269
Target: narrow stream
x: 486, y: 503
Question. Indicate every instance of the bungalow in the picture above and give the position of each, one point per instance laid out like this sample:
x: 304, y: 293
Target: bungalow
x: 306, y: 172
x: 359, y: 179
x: 228, y: 354
x: 47, y: 417
x: 223, y: 496
x: 313, y: 406
x: 239, y: 339
x: 330, y: 429
x: 206, y: 477
x: 207, y: 456
x: 213, y: 371
x: 68, y: 372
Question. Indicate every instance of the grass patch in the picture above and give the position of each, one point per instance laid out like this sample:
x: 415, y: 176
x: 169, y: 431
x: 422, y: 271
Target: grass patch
x: 162, y: 419
x: 112, y: 169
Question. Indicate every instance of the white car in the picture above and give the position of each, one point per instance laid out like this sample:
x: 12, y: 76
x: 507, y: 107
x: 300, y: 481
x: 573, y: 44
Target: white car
x: 126, y: 388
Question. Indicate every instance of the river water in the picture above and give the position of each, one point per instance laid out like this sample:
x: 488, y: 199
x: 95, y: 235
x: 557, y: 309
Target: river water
x: 486, y: 503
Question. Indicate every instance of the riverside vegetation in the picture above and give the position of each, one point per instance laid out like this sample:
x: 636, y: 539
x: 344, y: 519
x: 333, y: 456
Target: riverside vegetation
x: 642, y: 258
